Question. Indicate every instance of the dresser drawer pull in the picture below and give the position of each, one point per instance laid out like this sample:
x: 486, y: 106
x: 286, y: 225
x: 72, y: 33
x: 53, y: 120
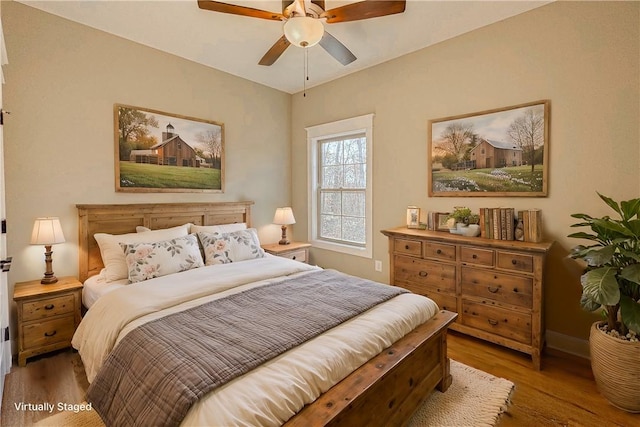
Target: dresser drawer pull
x: 50, y: 334
x: 293, y: 257
x: 49, y: 307
x: 492, y: 322
x: 406, y: 247
x: 439, y: 251
x: 493, y: 290
x: 474, y: 256
x: 423, y: 273
x: 514, y: 262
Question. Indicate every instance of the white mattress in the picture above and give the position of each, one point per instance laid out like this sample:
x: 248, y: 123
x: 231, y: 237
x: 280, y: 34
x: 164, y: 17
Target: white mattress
x: 97, y: 286
x: 277, y: 390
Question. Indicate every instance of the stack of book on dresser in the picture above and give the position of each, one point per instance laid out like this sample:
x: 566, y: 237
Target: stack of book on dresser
x: 505, y: 224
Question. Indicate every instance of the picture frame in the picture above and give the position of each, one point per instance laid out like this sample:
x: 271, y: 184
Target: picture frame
x: 502, y: 152
x: 442, y: 221
x: 161, y: 152
x: 413, y: 217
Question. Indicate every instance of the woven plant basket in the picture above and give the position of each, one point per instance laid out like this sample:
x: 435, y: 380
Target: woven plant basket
x: 615, y: 367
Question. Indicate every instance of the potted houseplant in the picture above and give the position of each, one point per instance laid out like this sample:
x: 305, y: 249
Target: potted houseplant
x: 611, y: 282
x: 464, y: 222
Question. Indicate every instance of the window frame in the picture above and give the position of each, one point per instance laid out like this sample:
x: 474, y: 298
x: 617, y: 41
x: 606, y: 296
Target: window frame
x: 317, y: 134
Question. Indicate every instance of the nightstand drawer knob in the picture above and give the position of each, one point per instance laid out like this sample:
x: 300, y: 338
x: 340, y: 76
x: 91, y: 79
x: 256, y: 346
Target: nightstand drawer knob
x: 50, y: 334
x: 49, y: 307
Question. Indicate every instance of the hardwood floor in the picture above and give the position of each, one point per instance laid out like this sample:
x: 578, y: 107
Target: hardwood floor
x: 563, y: 393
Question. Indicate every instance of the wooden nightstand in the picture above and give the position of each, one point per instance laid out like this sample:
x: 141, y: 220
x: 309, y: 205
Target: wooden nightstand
x: 294, y: 250
x: 47, y: 315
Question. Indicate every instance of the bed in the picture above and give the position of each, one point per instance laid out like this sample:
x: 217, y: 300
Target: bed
x: 390, y: 375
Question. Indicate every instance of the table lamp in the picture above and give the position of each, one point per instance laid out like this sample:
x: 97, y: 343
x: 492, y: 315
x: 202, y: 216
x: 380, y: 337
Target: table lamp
x: 47, y: 232
x: 284, y: 217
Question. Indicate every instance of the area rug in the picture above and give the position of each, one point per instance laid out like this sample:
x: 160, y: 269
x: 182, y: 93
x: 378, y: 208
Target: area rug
x: 474, y: 399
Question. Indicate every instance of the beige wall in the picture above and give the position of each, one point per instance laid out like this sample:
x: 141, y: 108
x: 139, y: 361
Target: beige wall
x: 62, y: 82
x: 582, y: 56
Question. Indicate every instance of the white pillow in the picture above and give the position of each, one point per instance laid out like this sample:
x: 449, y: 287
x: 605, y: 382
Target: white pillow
x: 223, y: 248
x: 113, y: 255
x: 220, y: 228
x: 148, y: 260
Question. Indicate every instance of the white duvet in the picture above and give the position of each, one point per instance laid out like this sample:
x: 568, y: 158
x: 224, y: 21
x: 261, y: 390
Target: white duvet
x: 275, y: 391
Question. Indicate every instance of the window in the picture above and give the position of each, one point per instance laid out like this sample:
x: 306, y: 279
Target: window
x: 340, y: 214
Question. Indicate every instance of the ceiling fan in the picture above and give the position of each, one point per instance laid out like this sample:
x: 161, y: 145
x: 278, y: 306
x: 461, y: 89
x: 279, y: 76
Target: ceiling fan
x: 303, y: 22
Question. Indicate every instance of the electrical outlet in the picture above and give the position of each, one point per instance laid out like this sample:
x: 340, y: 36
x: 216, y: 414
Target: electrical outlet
x: 378, y: 265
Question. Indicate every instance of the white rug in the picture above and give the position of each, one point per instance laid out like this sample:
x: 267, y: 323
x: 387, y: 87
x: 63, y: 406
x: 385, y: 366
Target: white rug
x: 474, y: 399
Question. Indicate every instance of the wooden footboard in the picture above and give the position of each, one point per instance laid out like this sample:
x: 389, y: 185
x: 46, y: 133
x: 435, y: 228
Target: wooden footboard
x: 387, y: 390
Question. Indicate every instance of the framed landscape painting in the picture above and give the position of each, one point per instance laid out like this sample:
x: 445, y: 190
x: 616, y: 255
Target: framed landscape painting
x: 163, y: 152
x: 502, y: 152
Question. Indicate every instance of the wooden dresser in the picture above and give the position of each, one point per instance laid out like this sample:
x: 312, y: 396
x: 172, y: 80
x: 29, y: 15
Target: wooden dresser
x: 495, y: 286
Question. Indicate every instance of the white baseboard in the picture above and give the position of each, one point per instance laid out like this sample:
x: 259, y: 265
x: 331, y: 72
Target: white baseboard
x: 568, y: 344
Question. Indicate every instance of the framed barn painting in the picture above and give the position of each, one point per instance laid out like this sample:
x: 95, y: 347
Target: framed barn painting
x: 502, y: 152
x: 163, y: 152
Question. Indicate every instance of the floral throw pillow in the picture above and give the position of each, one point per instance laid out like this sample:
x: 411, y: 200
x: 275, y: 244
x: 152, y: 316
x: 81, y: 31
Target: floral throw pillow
x: 148, y: 260
x: 223, y: 248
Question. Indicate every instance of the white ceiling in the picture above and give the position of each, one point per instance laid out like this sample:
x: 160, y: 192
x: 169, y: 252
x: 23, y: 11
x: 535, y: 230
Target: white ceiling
x: 235, y: 44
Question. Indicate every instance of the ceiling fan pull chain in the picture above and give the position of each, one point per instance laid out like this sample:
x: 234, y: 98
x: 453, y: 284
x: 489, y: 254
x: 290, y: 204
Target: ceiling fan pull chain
x: 306, y: 70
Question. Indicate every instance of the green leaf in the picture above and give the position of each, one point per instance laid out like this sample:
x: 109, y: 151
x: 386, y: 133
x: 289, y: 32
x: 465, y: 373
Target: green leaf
x: 631, y: 273
x: 611, y: 225
x: 630, y: 313
x: 588, y: 304
x: 630, y: 208
x: 583, y: 235
x: 612, y: 203
x: 581, y: 216
x: 600, y: 285
x: 634, y: 226
x: 597, y: 257
x: 630, y: 254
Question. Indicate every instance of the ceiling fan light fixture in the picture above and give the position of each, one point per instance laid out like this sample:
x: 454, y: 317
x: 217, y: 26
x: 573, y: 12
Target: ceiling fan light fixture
x: 303, y: 31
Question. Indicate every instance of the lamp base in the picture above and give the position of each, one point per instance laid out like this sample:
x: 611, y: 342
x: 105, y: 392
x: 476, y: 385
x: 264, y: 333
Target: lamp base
x: 48, y: 279
x: 283, y: 240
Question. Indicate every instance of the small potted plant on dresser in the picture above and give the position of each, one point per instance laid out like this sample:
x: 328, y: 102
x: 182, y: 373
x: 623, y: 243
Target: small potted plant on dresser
x: 464, y: 222
x: 611, y: 281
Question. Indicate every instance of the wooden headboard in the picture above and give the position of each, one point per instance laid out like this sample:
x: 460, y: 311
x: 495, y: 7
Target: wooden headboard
x: 120, y: 219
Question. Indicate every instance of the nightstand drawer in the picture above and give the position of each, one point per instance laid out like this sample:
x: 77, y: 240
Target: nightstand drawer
x: 47, y: 307
x: 300, y: 255
x: 40, y: 334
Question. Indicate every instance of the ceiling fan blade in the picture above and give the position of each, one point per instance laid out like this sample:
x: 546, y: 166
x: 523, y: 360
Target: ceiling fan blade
x: 364, y: 10
x: 337, y: 49
x: 276, y: 50
x: 217, y: 6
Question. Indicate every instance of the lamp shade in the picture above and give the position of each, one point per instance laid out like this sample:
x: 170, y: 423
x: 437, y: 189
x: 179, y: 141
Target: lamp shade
x: 284, y: 216
x: 47, y: 231
x: 303, y: 31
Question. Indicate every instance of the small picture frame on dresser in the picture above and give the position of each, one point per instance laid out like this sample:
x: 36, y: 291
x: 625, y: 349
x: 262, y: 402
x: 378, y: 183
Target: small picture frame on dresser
x: 413, y: 217
x: 442, y: 221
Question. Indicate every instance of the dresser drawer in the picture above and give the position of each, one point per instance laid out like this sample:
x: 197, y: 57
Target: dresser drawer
x: 408, y: 247
x: 505, y: 288
x: 424, y: 272
x: 47, y: 307
x: 445, y: 302
x: 300, y: 255
x: 505, y: 323
x: 440, y: 251
x: 471, y: 255
x: 515, y: 261
x: 40, y: 334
